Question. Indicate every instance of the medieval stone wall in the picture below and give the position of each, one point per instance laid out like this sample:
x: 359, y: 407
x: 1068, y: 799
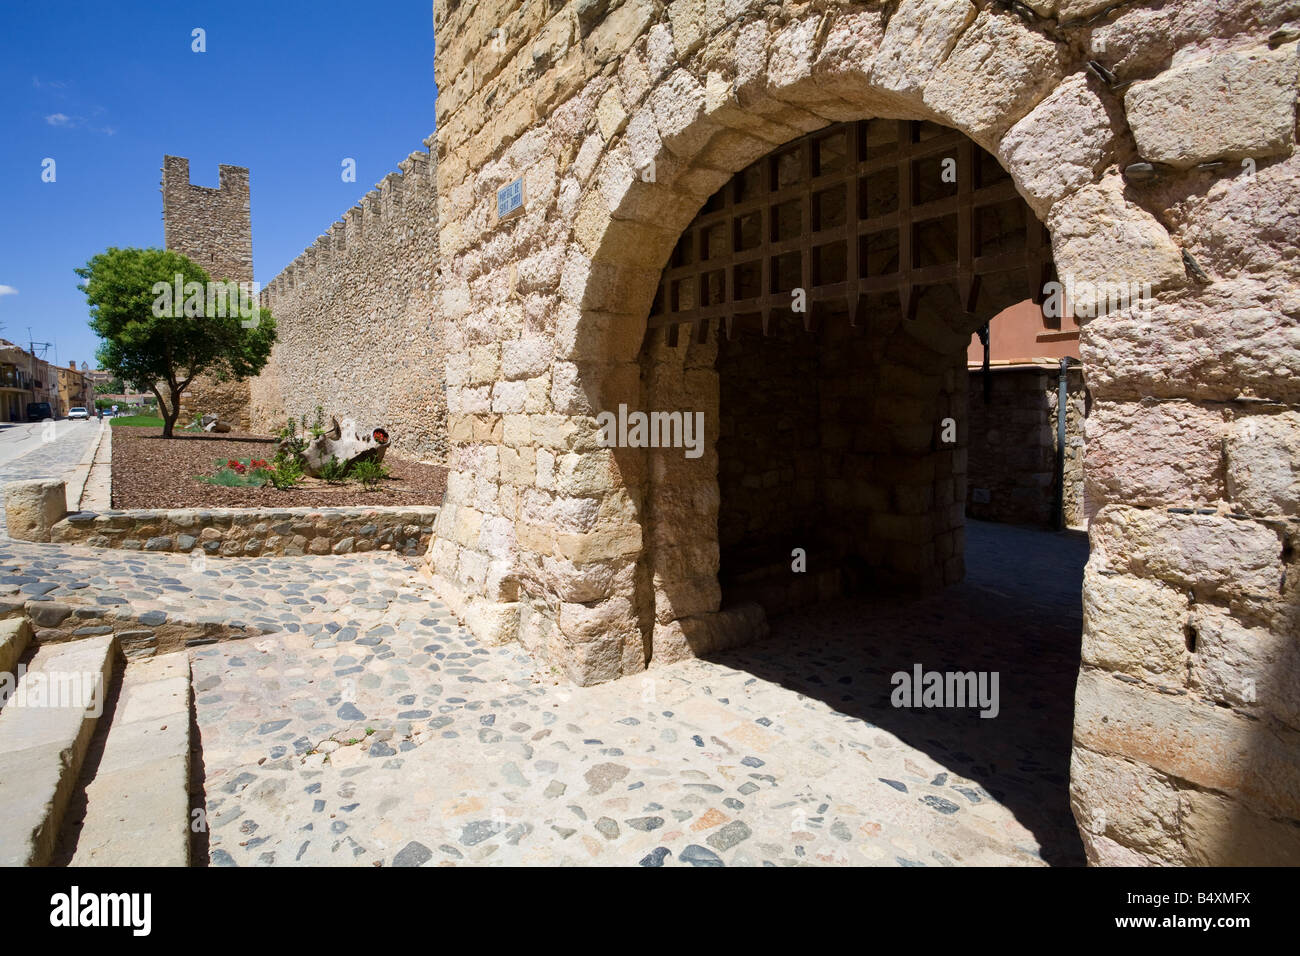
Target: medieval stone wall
x: 622, y: 118
x: 1013, y: 444
x: 213, y: 227
x: 826, y: 444
x: 771, y: 475
x: 355, y: 321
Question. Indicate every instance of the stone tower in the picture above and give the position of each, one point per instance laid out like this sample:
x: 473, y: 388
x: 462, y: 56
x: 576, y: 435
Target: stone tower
x: 214, y: 228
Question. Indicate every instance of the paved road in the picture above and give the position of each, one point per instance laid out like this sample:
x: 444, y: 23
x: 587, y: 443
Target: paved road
x: 42, y: 450
x: 39, y: 449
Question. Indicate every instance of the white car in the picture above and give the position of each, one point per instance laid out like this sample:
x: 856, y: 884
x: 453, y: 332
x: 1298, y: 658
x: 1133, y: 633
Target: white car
x: 78, y: 413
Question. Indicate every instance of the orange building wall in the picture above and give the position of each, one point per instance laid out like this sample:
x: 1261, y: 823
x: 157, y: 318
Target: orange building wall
x: 1020, y: 334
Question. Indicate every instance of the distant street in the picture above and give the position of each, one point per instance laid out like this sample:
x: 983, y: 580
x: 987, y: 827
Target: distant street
x: 26, y: 453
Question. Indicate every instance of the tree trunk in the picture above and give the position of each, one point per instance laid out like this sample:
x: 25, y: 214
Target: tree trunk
x: 171, y: 410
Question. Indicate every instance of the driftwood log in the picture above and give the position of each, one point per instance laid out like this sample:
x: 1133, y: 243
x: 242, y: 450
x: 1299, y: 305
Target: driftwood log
x: 211, y: 423
x: 346, y: 443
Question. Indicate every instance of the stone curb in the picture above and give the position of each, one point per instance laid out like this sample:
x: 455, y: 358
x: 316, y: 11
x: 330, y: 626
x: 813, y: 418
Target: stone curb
x: 76, y: 482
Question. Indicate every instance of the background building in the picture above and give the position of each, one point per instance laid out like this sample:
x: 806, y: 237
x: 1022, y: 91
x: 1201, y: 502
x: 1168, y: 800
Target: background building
x: 74, y: 389
x: 25, y: 378
x: 1018, y: 469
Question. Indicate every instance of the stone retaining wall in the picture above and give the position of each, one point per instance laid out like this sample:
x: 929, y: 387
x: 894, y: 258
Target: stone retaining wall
x: 139, y: 634
x: 241, y: 532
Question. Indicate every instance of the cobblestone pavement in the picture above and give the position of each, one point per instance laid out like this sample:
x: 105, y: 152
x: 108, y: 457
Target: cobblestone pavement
x: 264, y: 595
x: 407, y: 742
x: 293, y: 595
x: 367, y: 728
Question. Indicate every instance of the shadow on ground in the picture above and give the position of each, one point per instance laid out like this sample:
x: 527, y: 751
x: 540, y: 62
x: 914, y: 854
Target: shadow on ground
x: 1017, y: 613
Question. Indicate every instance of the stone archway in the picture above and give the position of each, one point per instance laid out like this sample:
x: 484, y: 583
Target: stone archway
x: 846, y: 273
x: 570, y: 582
x: 543, y: 533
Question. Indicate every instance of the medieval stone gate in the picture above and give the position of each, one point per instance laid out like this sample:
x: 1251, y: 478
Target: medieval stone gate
x: 1185, y: 746
x: 837, y: 281
x: 1154, y: 139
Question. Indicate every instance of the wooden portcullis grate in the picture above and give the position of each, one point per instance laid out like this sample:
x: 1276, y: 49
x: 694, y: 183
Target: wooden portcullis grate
x: 870, y: 211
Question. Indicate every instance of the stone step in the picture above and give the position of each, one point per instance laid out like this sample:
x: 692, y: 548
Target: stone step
x: 45, y: 729
x: 15, y: 632
x: 137, y: 804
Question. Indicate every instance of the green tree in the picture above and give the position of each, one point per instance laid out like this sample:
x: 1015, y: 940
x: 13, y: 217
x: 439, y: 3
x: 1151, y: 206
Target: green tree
x: 113, y: 386
x: 153, y: 338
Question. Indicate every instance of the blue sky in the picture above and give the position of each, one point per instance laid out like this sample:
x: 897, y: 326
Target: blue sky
x: 286, y: 88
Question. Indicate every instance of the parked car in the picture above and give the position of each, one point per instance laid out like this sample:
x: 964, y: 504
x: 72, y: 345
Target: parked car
x: 38, y: 411
x: 77, y: 412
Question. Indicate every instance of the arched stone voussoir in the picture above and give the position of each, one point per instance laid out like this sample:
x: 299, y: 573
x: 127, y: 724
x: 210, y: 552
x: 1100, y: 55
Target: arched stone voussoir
x: 632, y: 242
x: 790, y: 66
x: 654, y: 193
x: 997, y: 72
x: 1063, y: 144
x: 919, y: 37
x: 678, y: 106
x: 1102, y: 241
x: 597, y: 285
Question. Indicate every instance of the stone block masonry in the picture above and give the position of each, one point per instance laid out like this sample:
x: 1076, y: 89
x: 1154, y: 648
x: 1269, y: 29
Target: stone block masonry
x: 140, y: 634
x: 253, y: 532
x: 214, y: 228
x: 624, y: 117
x: 1012, y: 453
x: 355, y: 319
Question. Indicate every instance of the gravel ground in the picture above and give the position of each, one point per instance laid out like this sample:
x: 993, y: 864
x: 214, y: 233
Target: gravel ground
x: 149, y: 472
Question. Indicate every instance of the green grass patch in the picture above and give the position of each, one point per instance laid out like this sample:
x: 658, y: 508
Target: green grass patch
x: 137, y: 421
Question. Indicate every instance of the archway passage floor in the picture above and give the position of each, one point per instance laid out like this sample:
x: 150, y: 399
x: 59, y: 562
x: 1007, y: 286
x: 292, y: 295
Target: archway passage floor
x: 445, y: 751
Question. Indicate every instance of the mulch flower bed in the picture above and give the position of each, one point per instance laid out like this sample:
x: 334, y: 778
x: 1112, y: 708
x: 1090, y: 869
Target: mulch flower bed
x: 152, y: 472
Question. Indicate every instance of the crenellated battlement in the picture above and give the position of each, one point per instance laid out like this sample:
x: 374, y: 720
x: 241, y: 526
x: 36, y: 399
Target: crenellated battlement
x: 211, y: 225
x: 415, y: 179
x: 351, y: 302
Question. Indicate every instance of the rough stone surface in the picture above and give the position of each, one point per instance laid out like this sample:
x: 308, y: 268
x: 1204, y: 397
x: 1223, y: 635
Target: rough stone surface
x: 1231, y: 105
x: 1011, y: 453
x: 1133, y: 625
x: 365, y: 287
x: 1208, y: 746
x: 1061, y: 145
x: 1184, y: 347
x: 235, y: 531
x: 33, y: 508
x: 213, y: 227
x: 43, y: 742
x: 137, y: 807
x: 996, y: 73
x: 1108, y: 244
x: 920, y: 36
x: 704, y: 90
x: 785, y: 752
x: 622, y: 119
x: 1153, y: 453
x: 1263, y: 463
